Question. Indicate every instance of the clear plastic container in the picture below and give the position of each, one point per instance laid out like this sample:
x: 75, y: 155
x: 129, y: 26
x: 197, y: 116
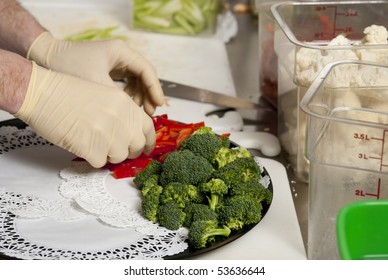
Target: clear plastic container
x: 347, y: 146
x: 180, y: 17
x: 302, y: 36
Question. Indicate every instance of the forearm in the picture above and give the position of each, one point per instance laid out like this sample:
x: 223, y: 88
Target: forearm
x: 18, y: 28
x: 15, y: 72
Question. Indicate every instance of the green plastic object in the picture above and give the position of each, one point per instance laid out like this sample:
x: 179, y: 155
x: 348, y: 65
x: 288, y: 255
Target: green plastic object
x: 362, y: 230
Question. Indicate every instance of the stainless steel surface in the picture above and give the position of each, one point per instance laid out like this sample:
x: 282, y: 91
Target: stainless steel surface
x: 244, y: 61
x: 206, y: 96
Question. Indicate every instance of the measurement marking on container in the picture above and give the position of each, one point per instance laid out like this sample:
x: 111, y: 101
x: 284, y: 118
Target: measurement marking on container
x: 365, y: 137
x: 382, y: 151
x: 360, y: 192
x: 377, y: 195
x: 330, y: 28
x: 379, y: 158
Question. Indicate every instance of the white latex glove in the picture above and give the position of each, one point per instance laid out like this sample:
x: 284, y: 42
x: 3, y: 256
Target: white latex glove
x: 93, y: 121
x: 103, y: 62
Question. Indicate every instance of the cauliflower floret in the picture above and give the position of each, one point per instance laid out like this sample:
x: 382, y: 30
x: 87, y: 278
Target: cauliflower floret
x: 340, y: 40
x: 375, y: 34
x: 311, y: 61
x: 371, y: 76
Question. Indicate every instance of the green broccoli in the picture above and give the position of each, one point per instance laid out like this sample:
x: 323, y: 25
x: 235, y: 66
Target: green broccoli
x: 239, y: 171
x: 203, y: 232
x: 216, y: 188
x: 198, y: 212
x: 171, y: 216
x: 206, y: 186
x: 181, y: 194
x: 203, y: 142
x: 154, y: 167
x: 203, y: 130
x: 253, y: 189
x: 239, y: 211
x: 209, y: 130
x: 227, y: 155
x: 185, y: 167
x: 151, y: 198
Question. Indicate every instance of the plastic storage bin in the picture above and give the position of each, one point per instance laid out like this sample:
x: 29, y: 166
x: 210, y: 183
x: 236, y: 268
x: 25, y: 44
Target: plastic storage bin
x: 297, y: 44
x: 347, y: 146
x: 362, y: 230
x: 181, y: 17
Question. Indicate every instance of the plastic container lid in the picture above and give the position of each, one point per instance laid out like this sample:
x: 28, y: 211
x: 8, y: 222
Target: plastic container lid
x: 362, y: 230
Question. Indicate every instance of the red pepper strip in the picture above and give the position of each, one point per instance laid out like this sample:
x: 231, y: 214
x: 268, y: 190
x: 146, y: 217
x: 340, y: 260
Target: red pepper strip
x: 165, y: 138
x: 198, y: 125
x: 162, y: 121
x: 167, y: 142
x: 224, y: 135
x: 140, y: 161
x: 163, y: 156
x: 126, y: 172
x: 131, y: 167
x: 161, y: 132
x: 183, y: 134
x: 173, y: 134
x: 156, y: 118
x: 179, y: 126
x: 161, y: 150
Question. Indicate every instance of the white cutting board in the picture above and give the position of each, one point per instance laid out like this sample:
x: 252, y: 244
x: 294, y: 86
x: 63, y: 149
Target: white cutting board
x: 196, y: 61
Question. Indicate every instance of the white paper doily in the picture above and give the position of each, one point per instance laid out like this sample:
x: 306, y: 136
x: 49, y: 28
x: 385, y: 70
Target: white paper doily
x: 37, y: 222
x: 114, y: 202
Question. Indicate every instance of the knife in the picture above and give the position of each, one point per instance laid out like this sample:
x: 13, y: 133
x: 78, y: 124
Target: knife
x: 178, y: 90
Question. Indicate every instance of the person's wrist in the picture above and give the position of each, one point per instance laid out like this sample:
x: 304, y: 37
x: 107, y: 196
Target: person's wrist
x: 15, y: 72
x: 19, y: 28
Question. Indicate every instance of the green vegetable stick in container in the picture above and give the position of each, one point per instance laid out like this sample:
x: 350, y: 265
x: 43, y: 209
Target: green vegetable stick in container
x: 183, y: 17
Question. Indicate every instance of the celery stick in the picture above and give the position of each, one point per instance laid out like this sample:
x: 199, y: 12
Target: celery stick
x: 95, y: 34
x: 181, y: 20
x: 191, y: 16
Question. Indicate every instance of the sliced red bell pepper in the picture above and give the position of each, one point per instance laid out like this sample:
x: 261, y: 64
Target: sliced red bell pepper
x: 130, y: 167
x: 224, y: 135
x: 183, y: 134
x: 169, y: 136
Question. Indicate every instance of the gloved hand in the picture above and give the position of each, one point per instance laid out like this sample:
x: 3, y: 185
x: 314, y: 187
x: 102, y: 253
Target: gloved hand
x: 102, y: 62
x: 93, y: 121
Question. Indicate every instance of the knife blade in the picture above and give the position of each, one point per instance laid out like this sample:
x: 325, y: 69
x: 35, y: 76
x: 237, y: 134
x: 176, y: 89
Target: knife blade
x: 182, y: 91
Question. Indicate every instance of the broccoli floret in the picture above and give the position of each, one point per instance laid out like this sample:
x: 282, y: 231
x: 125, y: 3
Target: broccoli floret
x: 253, y: 189
x: 153, y: 168
x: 171, y: 216
x: 203, y: 142
x: 203, y: 232
x: 239, y: 211
x: 228, y: 155
x: 181, y: 194
x: 216, y: 189
x: 239, y: 171
x: 198, y: 212
x: 151, y: 198
x: 185, y: 167
x: 203, y: 130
